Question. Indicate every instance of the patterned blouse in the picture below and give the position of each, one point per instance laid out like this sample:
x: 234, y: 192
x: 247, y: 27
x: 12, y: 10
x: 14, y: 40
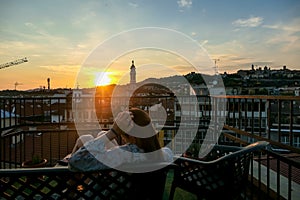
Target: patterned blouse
x: 95, y: 155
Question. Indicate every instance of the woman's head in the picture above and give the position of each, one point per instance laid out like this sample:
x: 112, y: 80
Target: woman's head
x: 140, y: 117
x: 143, y: 133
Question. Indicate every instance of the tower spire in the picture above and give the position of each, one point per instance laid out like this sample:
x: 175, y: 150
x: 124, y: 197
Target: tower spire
x: 132, y: 64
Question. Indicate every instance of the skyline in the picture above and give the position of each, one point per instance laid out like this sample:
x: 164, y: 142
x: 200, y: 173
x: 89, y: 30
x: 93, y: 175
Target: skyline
x: 58, y: 37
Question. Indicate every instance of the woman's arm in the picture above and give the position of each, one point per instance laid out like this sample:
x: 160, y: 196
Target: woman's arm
x: 95, y: 156
x: 81, y: 141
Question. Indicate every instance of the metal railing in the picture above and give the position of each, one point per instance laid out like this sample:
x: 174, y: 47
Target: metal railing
x: 45, y: 126
x: 274, y: 119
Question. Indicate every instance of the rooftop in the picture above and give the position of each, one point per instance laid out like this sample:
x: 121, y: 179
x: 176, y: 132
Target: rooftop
x: 275, y: 173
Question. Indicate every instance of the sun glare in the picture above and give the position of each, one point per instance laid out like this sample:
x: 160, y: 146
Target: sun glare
x: 102, y: 79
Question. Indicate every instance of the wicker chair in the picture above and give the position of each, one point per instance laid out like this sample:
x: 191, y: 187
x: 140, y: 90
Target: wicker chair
x: 222, y: 174
x: 60, y: 183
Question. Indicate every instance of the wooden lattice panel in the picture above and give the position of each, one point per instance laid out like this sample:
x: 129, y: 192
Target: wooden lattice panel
x: 60, y: 183
x: 40, y: 184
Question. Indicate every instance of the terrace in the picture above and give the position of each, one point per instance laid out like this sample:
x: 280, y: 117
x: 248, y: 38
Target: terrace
x: 45, y: 126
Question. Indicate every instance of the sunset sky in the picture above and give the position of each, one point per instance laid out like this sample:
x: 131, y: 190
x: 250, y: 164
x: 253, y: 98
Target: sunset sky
x: 59, y: 37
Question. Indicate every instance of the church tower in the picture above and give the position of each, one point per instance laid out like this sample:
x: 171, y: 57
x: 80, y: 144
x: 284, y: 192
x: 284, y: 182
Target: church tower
x: 132, y: 73
x: 132, y: 85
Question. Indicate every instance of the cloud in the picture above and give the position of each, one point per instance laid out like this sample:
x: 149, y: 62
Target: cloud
x: 65, y: 69
x: 83, y: 19
x: 36, y: 29
x: 134, y: 5
x: 183, y: 69
x: 204, y: 42
x: 39, y: 34
x: 184, y: 3
x: 286, y: 35
x: 250, y: 22
x: 193, y: 33
x: 293, y: 26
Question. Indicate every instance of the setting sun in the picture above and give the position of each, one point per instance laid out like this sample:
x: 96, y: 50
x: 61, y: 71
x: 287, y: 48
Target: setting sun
x: 103, y: 78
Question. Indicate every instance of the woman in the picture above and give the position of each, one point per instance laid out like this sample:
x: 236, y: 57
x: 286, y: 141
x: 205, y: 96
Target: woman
x: 140, y: 145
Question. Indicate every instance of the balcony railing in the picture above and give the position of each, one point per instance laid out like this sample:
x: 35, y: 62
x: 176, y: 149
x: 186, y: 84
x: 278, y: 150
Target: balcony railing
x: 47, y: 127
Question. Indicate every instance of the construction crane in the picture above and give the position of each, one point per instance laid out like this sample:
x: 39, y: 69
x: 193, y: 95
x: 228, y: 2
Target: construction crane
x: 15, y: 62
x: 16, y: 84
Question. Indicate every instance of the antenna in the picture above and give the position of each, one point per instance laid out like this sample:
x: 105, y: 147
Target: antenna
x: 216, y: 67
x: 215, y: 78
x: 216, y: 61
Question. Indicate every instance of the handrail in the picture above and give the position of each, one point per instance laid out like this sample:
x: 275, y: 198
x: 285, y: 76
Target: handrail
x: 235, y: 152
x: 265, y: 97
x: 241, y: 132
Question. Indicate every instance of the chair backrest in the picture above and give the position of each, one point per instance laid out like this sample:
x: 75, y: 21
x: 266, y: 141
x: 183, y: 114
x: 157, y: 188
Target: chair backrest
x: 150, y: 184
x: 223, y: 171
x: 60, y: 183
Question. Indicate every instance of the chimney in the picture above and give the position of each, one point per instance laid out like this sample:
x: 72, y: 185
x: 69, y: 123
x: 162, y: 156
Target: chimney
x: 48, y: 80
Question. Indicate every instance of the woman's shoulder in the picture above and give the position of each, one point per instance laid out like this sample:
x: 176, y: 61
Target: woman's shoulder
x: 133, y: 148
x: 168, y: 154
x: 167, y: 149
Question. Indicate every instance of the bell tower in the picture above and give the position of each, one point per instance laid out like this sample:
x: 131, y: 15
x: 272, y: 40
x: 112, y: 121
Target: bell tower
x: 132, y: 73
x: 132, y: 85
